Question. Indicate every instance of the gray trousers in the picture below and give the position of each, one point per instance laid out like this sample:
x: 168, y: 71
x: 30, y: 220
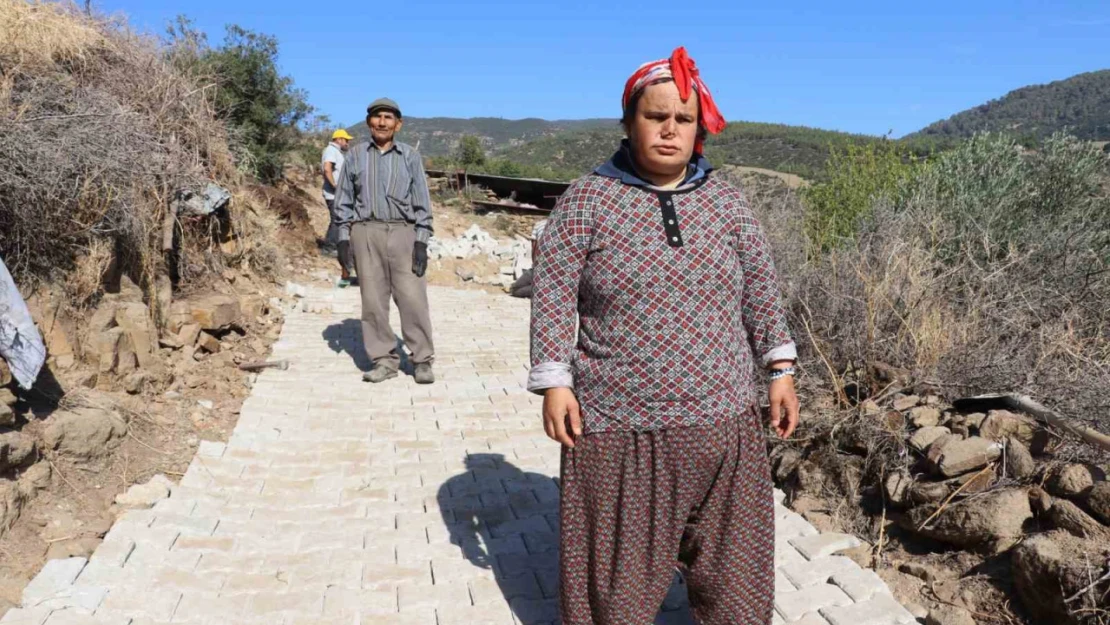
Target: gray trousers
x: 383, y: 259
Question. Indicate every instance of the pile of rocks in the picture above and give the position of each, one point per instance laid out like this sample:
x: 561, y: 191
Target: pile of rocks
x: 513, y: 256
x: 988, y: 482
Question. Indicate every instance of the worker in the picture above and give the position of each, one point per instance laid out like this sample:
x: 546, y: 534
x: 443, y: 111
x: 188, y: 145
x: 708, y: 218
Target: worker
x: 332, y: 164
x: 384, y: 209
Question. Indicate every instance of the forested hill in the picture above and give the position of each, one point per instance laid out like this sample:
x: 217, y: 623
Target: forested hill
x: 1080, y: 105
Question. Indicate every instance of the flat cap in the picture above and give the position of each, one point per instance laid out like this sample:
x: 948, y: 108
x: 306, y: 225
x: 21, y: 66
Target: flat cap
x: 383, y: 103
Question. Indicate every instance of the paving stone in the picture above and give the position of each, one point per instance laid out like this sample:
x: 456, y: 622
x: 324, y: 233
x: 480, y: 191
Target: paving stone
x: 794, y: 605
x: 822, y: 545
x: 882, y: 609
x: 55, y: 577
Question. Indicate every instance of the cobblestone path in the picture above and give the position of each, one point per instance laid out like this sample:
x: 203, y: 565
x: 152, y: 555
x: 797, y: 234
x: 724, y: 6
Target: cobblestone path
x: 339, y: 502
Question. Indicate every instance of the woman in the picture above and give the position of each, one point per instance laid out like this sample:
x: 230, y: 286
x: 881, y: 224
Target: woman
x: 670, y: 280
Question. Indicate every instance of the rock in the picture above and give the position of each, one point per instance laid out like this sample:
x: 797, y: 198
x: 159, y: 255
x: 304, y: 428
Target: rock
x: 924, y: 416
x: 219, y: 312
x: 5, y: 373
x: 103, y: 318
x: 103, y: 349
x: 869, y: 408
x: 16, y: 450
x: 1074, y: 480
x: 993, y: 519
x: 784, y: 463
x: 1069, y: 517
x: 7, y: 397
x: 897, y: 486
x: 163, y: 297
x: 180, y: 313
x: 1002, y: 424
x: 926, y: 436
x: 129, y: 292
x: 929, y: 492
x: 252, y: 306
x: 903, y: 404
x: 1049, y: 568
x: 936, y: 448
x: 295, y: 290
x: 171, y: 341
x: 7, y: 416
x: 188, y: 334
x: 959, y: 457
x: 84, y: 432
x: 925, y: 572
x: 36, y: 478
x: 975, y: 420
x: 1098, y: 500
x: 466, y: 275
x: 918, y: 611
x: 134, y: 382
x: 207, y: 404
x: 894, y: 421
x: 12, y: 500
x: 1019, y: 462
x: 143, y: 496
x: 134, y: 319
x: 949, y: 615
x: 208, y: 343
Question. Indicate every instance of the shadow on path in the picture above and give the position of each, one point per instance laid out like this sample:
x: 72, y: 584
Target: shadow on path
x: 506, y: 521
x: 346, y: 337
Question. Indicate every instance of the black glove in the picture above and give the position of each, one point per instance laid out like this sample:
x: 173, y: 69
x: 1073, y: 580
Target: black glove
x: 419, y: 259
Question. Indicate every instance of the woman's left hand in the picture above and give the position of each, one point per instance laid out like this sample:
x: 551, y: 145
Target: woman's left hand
x: 784, y: 406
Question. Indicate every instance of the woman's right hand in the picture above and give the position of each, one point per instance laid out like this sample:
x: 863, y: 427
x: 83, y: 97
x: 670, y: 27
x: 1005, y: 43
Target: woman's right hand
x: 561, y: 418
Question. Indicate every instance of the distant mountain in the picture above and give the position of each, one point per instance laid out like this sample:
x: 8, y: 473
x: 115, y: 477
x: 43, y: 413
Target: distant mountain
x: 438, y: 136
x: 1080, y: 104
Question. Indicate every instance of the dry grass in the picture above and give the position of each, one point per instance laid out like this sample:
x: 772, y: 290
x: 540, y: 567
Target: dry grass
x: 97, y: 132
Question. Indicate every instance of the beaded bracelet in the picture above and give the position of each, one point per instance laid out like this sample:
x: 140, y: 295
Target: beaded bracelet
x: 778, y: 374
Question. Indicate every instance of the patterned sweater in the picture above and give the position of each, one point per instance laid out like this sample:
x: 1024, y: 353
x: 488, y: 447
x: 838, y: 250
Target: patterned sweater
x: 671, y: 291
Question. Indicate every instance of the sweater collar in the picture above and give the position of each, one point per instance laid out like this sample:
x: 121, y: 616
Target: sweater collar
x: 620, y: 167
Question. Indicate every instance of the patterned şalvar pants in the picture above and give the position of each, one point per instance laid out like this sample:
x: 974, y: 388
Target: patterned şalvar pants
x: 637, y: 504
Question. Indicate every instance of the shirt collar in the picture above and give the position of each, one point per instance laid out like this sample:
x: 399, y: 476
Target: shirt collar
x: 620, y: 168
x: 370, y: 145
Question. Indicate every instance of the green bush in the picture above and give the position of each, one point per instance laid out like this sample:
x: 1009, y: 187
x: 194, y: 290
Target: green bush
x: 857, y: 176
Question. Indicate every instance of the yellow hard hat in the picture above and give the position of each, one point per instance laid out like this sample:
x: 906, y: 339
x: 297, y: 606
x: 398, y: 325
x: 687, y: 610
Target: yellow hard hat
x: 341, y: 134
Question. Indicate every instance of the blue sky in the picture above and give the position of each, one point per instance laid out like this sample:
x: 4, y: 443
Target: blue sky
x: 871, y: 67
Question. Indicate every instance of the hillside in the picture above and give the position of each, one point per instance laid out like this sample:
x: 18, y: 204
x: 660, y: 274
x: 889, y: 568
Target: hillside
x: 791, y: 149
x: 1080, y: 104
x: 438, y: 136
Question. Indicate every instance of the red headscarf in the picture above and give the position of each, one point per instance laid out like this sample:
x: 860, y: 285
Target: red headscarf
x: 686, y: 76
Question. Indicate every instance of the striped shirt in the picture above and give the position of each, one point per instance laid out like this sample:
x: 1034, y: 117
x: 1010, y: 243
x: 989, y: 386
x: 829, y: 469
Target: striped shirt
x: 383, y: 186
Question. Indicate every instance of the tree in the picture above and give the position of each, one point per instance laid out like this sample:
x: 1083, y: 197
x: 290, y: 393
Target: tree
x: 470, y: 154
x: 262, y: 108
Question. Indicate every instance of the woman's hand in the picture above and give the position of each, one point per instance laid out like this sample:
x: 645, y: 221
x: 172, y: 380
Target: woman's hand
x: 784, y: 406
x: 561, y: 418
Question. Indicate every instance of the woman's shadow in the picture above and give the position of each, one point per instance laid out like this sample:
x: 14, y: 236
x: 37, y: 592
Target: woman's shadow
x: 505, y: 520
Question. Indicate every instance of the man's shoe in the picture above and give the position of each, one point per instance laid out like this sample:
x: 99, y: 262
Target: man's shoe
x: 343, y: 283
x: 379, y: 374
x: 423, y: 374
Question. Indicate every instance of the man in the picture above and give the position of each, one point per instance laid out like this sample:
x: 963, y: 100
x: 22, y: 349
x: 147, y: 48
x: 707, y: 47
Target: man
x: 332, y: 164
x: 383, y: 208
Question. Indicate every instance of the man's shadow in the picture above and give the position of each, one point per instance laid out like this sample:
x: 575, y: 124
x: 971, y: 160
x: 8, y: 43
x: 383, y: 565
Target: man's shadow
x: 346, y: 337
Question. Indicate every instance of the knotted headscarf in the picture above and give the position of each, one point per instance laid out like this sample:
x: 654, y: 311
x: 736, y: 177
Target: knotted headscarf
x: 682, y: 69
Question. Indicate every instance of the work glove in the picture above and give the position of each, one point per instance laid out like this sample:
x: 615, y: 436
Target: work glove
x: 419, y: 259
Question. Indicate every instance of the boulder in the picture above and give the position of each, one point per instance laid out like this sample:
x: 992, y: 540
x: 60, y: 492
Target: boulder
x: 134, y: 319
x: 218, y: 312
x: 1074, y: 480
x: 959, y: 457
x: 16, y: 450
x: 1098, y: 500
x: 1002, y: 424
x: 188, y: 334
x: 926, y: 436
x: 208, y: 343
x: 1071, y: 518
x: 1019, y: 462
x: 1051, y: 568
x: 104, y: 348
x: 949, y: 615
x: 994, y: 519
x: 936, y: 448
x: 143, y: 496
x: 84, y: 432
x: 903, y: 404
x: 925, y: 416
x: 180, y: 313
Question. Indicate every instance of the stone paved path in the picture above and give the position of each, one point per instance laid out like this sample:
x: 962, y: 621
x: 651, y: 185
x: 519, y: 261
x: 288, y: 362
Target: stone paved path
x: 340, y: 502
